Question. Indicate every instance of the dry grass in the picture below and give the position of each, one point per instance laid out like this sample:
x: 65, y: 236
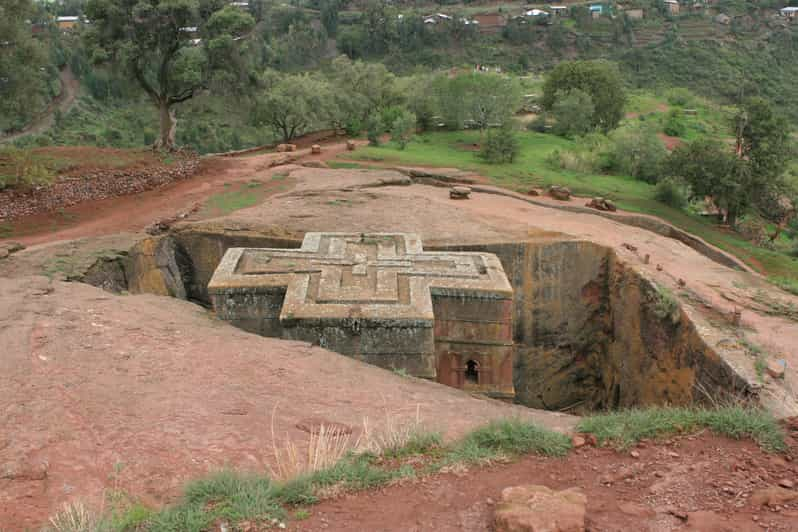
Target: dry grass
x: 73, y: 517
x: 396, y: 432
x: 325, y: 448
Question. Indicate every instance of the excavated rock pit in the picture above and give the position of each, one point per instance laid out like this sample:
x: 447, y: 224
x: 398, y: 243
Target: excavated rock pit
x: 590, y: 332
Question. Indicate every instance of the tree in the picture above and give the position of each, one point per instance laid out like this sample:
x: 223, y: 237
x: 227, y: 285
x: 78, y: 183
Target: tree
x: 763, y: 138
x: 361, y: 90
x: 291, y: 104
x: 711, y: 170
x: 23, y: 62
x: 573, y: 113
x: 749, y: 178
x: 487, y: 100
x: 403, y: 128
x: 154, y: 42
x: 329, y: 16
x: 600, y: 79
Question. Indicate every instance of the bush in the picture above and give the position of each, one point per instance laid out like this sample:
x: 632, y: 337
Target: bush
x: 22, y: 169
x: 500, y: 145
x: 638, y: 152
x: 671, y: 193
x: 538, y: 124
x: 674, y: 124
x: 374, y: 129
x: 403, y: 128
x: 680, y: 97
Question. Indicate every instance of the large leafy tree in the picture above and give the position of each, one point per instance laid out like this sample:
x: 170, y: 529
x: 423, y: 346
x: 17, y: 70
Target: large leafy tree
x: 23, y: 62
x: 156, y: 42
x: 361, y: 90
x: 483, y: 99
x: 752, y: 177
x: 290, y: 105
x: 599, y: 79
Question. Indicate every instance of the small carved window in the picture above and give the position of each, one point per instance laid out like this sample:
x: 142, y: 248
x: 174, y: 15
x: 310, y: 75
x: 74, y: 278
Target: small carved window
x: 472, y: 372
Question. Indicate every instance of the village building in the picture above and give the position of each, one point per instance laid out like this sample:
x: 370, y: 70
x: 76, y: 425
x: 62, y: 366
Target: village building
x: 490, y: 22
x: 790, y: 12
x: 596, y: 10
x: 672, y: 6
x: 559, y: 11
x: 67, y: 23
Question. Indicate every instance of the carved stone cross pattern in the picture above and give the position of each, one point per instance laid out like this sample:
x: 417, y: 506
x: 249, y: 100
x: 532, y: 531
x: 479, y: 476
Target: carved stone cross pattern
x: 372, y: 296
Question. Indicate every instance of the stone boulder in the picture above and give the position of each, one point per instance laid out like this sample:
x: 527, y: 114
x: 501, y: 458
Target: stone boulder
x: 601, y: 204
x: 532, y: 508
x: 286, y: 147
x: 315, y: 149
x: 350, y: 145
x: 459, y: 192
x: 560, y: 193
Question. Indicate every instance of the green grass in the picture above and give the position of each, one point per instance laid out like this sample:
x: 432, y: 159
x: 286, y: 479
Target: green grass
x: 508, y: 438
x: 444, y: 149
x: 235, y: 198
x: 625, y: 428
x: 237, y: 497
x: 420, y: 442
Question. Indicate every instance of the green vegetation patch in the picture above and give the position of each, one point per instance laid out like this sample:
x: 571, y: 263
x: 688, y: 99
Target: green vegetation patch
x: 508, y: 438
x: 236, y: 197
x: 627, y: 427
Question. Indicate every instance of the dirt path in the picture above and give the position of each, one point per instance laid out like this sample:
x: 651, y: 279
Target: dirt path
x: 63, y: 102
x: 700, y: 483
x: 135, y: 212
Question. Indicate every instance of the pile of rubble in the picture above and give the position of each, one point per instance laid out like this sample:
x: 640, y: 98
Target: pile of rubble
x: 102, y: 184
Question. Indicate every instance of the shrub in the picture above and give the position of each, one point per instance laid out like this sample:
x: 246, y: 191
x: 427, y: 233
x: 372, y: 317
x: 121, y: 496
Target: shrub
x: 374, y: 129
x: 637, y: 151
x: 21, y: 168
x: 671, y: 193
x: 500, y: 145
x: 538, y: 124
x: 680, y: 97
x: 674, y: 124
x: 403, y: 128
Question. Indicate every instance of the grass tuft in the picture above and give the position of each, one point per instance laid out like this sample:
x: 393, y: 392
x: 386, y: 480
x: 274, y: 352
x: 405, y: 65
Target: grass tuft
x: 506, y: 438
x: 625, y: 428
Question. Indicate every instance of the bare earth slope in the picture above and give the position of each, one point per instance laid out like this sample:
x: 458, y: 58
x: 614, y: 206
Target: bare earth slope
x: 143, y: 393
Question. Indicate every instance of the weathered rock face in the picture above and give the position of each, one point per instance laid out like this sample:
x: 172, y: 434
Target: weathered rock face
x: 589, y: 332
x: 592, y: 334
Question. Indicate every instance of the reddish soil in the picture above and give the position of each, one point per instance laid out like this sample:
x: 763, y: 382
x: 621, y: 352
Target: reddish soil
x: 701, y: 483
x: 134, y: 213
x: 671, y: 143
x: 144, y: 393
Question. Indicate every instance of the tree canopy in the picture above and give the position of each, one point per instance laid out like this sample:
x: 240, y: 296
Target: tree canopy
x: 23, y: 65
x: 156, y: 41
x: 601, y: 80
